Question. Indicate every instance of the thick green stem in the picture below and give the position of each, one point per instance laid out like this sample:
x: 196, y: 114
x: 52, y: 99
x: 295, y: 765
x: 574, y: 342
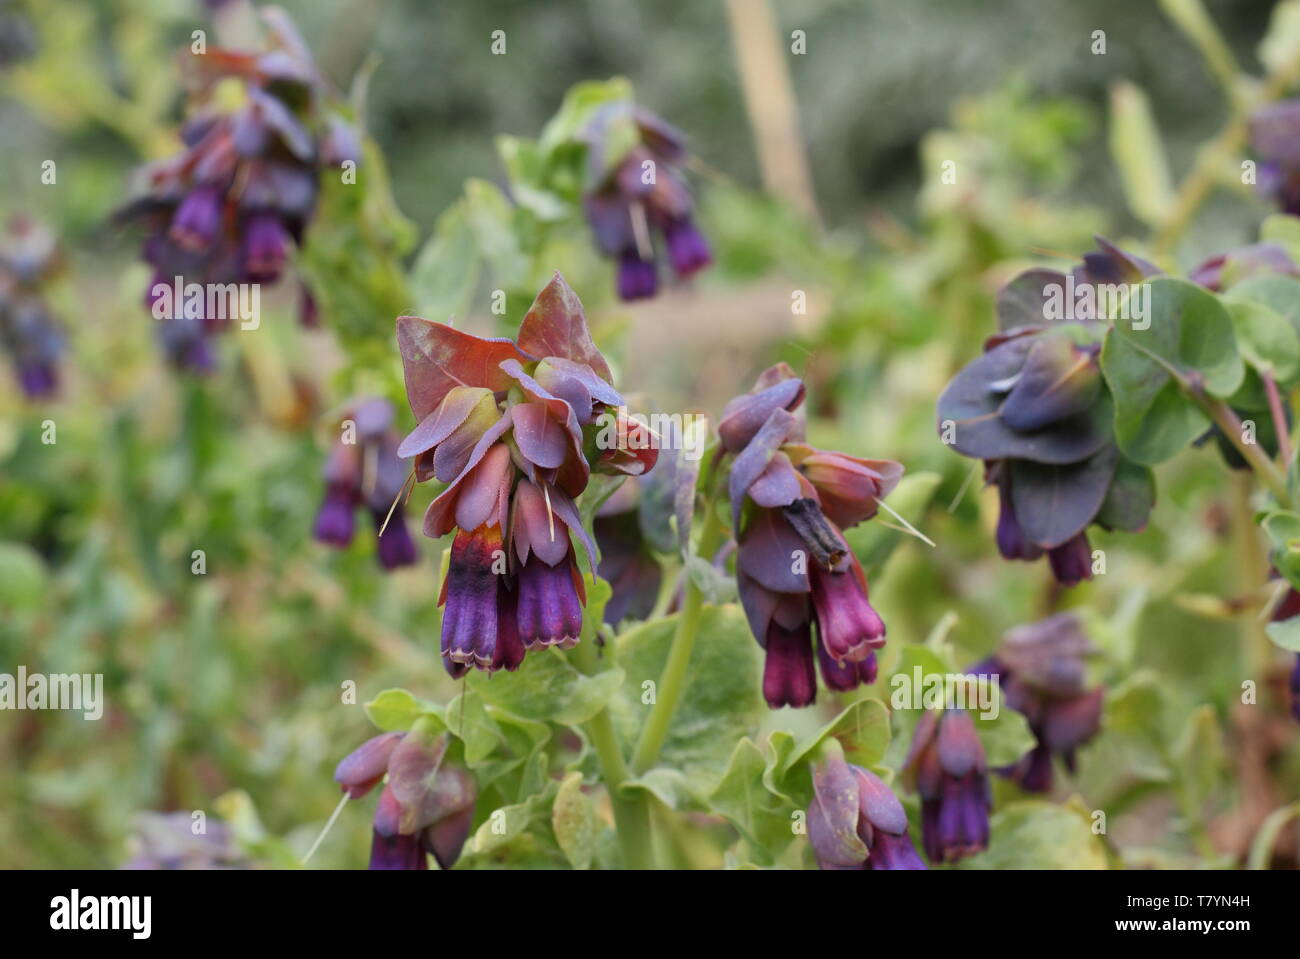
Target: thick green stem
x: 673, y: 681
x: 631, y: 813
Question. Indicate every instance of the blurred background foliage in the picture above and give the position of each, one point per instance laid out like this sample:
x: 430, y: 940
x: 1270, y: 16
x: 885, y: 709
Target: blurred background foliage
x: 226, y: 690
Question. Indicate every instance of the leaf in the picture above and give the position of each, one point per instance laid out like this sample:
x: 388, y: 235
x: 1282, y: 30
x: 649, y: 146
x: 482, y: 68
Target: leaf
x: 573, y: 819
x: 1267, y: 339
x: 764, y: 820
x: 445, y: 271
x: 862, y: 729
x: 555, y: 325
x: 722, y: 699
x: 23, y: 577
x: 1283, y: 530
x: 1132, y: 727
x: 1023, y: 301
x: 973, y: 401
x: 1139, y: 154
x: 491, y: 217
x: 548, y: 689
x: 396, y: 709
x: 1190, y: 335
x: 1198, y: 757
x: 436, y: 358
x: 1054, y: 502
x: 1006, y: 737
x: 1285, y: 634
x: 1032, y: 834
x: 467, y: 717
x: 669, y: 786
x: 1130, y: 499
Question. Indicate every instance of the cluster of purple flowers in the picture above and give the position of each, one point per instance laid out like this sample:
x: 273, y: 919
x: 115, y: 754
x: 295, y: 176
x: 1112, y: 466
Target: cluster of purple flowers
x: 29, y: 257
x: 426, y: 806
x: 228, y: 207
x: 364, y: 470
x: 856, y: 822
x: 794, y: 570
x: 631, y: 199
x: 512, y: 427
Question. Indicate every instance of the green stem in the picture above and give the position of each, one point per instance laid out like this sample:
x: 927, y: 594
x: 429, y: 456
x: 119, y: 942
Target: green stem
x: 673, y: 680
x: 1228, y: 422
x: 631, y: 812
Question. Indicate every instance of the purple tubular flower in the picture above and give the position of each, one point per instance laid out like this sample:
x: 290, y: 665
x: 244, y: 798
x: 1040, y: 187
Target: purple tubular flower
x: 335, y: 524
x: 396, y: 548
x: 198, y: 219
x: 946, y: 765
x: 637, y: 278
x: 856, y: 822
x: 688, y: 251
x: 362, y: 769
x: 1011, y: 540
x: 843, y: 677
x: 549, y: 612
x: 788, y: 675
x: 1071, y: 562
x: 266, y: 245
x: 848, y: 625
x: 469, y: 617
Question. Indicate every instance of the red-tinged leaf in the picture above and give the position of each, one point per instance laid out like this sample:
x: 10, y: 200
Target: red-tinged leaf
x: 556, y: 326
x: 436, y: 358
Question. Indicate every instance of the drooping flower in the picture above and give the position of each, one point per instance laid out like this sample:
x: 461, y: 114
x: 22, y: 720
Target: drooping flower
x: 631, y: 197
x: 514, y: 428
x: 1035, y: 409
x: 427, y: 805
x: 1040, y: 667
x: 856, y: 822
x: 946, y: 766
x: 1275, y: 138
x: 364, y: 470
x: 795, y: 572
x: 29, y: 259
x: 230, y: 206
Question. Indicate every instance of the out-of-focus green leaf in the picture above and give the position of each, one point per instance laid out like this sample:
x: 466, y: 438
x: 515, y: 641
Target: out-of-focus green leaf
x: 1139, y: 154
x: 573, y: 819
x: 1039, y: 835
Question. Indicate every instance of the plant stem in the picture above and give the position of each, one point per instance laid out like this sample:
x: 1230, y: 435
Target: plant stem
x: 1227, y: 421
x: 1280, y: 426
x: 673, y: 679
x: 631, y: 813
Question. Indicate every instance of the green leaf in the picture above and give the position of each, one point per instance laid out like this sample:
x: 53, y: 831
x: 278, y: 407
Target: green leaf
x: 1132, y: 727
x: 395, y: 709
x: 1032, y: 834
x: 548, y: 688
x: 1285, y: 634
x: 1198, y: 757
x: 446, y: 270
x: 573, y: 819
x: 1139, y: 154
x: 1130, y: 499
x: 722, y: 699
x: 467, y: 718
x: 762, y: 818
x: 492, y: 218
x: 1267, y: 339
x: 1190, y: 336
x: 23, y: 579
x: 669, y: 786
x: 1283, y: 530
x: 1006, y: 737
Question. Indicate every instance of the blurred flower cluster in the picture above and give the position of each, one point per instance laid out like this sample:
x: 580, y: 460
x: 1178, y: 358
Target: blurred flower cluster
x: 426, y: 805
x: 175, y: 841
x: 29, y: 258
x: 364, y: 470
x: 635, y: 190
x: 1042, y: 672
x: 229, y: 207
x: 946, y: 766
x: 789, y: 502
x: 514, y: 428
x: 1035, y: 408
